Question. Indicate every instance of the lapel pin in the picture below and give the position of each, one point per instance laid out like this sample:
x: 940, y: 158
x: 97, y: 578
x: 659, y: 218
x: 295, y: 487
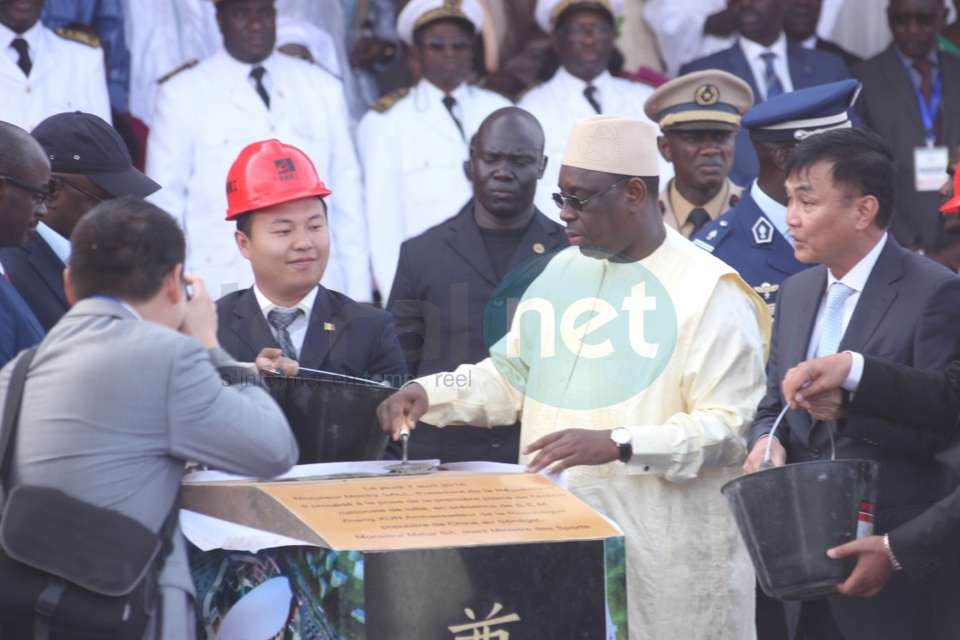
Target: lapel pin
x: 329, y: 326
x: 538, y: 248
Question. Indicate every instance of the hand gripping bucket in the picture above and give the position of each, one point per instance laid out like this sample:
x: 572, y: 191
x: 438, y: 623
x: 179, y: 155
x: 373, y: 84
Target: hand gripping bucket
x: 789, y: 516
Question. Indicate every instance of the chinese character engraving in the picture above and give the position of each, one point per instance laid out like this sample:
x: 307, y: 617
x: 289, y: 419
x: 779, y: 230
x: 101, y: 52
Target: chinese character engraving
x: 483, y: 629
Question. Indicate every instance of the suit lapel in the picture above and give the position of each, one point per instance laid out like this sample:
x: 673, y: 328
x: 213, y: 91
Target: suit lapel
x: 540, y: 232
x: 875, y: 300
x: 900, y: 86
x: 805, y: 308
x: 320, y: 335
x: 802, y: 72
x: 464, y: 238
x: 48, y: 266
x: 250, y: 325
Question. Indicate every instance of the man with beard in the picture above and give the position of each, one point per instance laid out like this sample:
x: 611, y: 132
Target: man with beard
x: 699, y: 115
x: 440, y: 312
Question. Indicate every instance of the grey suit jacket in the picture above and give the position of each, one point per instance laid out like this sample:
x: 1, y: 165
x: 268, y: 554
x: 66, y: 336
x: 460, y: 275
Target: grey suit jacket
x: 908, y: 312
x: 888, y: 105
x: 113, y: 407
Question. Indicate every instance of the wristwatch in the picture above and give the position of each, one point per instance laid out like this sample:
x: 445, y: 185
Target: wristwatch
x: 622, y: 437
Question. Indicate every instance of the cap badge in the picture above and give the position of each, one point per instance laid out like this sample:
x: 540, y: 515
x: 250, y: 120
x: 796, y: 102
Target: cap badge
x: 762, y: 231
x: 707, y: 95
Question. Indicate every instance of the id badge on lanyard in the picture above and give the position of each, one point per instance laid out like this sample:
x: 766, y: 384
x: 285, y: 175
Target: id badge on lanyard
x: 929, y: 161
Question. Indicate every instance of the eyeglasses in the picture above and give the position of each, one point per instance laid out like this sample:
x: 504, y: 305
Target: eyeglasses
x: 600, y: 32
x: 40, y: 194
x: 576, y: 203
x: 79, y: 190
x: 922, y: 19
x: 437, y: 45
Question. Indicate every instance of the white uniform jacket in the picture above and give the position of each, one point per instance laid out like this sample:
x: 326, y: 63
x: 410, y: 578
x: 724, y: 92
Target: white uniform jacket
x: 207, y: 114
x: 412, y: 154
x: 559, y: 103
x: 66, y: 76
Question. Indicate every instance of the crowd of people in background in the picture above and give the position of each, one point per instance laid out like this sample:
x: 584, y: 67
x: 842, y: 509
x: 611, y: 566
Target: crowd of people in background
x: 411, y: 155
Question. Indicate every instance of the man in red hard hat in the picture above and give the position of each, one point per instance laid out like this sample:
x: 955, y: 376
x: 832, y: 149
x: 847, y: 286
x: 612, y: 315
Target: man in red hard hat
x: 287, y: 317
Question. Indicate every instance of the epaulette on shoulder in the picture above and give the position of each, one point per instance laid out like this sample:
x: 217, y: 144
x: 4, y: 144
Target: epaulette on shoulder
x: 711, y: 237
x: 383, y: 104
x: 186, y: 65
x: 77, y: 35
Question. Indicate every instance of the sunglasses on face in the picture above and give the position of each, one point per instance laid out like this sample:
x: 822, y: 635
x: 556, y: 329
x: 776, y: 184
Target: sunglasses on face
x: 92, y: 196
x: 437, y: 45
x: 922, y: 19
x: 601, y: 32
x: 576, y: 203
x: 40, y: 194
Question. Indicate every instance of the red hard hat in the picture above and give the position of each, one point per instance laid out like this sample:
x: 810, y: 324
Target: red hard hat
x: 953, y: 204
x: 268, y: 173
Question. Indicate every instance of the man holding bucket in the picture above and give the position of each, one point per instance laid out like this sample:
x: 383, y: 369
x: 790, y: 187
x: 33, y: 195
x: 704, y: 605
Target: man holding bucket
x: 871, y: 296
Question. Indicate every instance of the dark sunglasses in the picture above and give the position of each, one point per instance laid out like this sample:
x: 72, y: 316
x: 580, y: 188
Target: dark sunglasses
x: 922, y: 19
x: 438, y: 44
x: 78, y: 189
x: 600, y: 32
x: 40, y: 194
x: 576, y: 203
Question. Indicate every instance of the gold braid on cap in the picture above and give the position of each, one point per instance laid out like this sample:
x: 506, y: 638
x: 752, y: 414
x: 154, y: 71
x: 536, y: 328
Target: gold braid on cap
x: 450, y: 9
x: 563, y: 5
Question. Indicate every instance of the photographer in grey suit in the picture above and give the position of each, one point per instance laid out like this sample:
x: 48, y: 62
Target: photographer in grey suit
x: 129, y: 385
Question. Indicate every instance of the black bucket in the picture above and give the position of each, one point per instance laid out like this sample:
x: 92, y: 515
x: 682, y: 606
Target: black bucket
x: 789, y: 516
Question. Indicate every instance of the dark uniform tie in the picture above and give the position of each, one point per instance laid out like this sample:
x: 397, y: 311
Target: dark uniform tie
x: 450, y: 102
x: 698, y: 218
x: 21, y: 47
x: 590, y: 93
x: 282, y: 320
x: 770, y: 77
x: 257, y: 74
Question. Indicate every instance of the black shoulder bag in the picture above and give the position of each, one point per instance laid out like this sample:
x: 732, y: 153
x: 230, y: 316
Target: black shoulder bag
x: 70, y: 570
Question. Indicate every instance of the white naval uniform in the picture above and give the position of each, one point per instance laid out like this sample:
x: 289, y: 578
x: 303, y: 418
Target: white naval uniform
x: 206, y: 115
x: 412, y: 155
x: 559, y: 103
x: 66, y: 76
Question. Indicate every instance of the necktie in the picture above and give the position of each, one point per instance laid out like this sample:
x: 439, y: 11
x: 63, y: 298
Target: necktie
x: 590, y: 93
x: 21, y: 47
x: 450, y: 102
x: 257, y: 74
x: 282, y: 320
x: 773, y: 86
x: 698, y: 218
x: 832, y: 325
x: 925, y: 69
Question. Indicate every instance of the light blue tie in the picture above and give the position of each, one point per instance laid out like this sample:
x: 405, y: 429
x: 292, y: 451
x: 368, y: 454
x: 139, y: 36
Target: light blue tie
x: 832, y: 325
x: 772, y: 81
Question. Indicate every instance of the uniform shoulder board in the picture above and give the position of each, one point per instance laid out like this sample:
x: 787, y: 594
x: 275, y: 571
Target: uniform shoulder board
x: 713, y: 234
x: 383, y: 104
x: 186, y: 65
x: 77, y: 35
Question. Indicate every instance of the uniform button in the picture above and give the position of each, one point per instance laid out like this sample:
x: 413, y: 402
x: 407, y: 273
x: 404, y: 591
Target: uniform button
x: 495, y: 443
x: 498, y: 302
x: 814, y: 453
x: 29, y: 89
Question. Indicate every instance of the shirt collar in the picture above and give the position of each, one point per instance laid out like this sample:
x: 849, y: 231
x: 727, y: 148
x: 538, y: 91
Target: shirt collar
x: 59, y: 244
x: 433, y: 93
x: 31, y: 35
x: 932, y: 56
x: 244, y: 68
x: 776, y: 212
x: 752, y: 50
x: 570, y: 83
x: 682, y: 207
x: 856, y: 278
x: 306, y: 303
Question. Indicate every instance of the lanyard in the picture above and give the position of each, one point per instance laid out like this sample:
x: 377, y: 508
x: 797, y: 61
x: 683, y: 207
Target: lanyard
x: 928, y: 112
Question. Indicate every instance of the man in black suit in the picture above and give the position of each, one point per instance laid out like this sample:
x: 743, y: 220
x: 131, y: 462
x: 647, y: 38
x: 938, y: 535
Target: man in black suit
x: 911, y: 93
x: 871, y: 296
x: 89, y: 164
x: 769, y: 64
x: 287, y: 318
x: 440, y: 309
x: 800, y: 25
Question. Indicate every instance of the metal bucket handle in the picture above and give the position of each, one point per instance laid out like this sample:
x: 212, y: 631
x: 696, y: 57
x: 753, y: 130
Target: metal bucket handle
x: 767, y: 464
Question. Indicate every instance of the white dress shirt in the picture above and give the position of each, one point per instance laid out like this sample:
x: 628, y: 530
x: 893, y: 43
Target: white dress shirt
x: 753, y: 52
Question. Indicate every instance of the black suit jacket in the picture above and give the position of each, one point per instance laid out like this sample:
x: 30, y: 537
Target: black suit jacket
x: 444, y: 281
x: 37, y: 273
x: 808, y: 68
x: 363, y: 342
x: 888, y: 105
x: 908, y: 312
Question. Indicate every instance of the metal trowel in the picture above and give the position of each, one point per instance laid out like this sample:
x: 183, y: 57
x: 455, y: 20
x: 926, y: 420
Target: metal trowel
x: 405, y: 468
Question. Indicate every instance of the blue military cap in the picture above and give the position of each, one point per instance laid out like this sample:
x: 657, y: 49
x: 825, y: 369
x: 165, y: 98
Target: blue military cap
x: 794, y: 116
